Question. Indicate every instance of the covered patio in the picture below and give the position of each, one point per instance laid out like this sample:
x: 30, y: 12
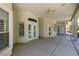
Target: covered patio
x: 61, y: 45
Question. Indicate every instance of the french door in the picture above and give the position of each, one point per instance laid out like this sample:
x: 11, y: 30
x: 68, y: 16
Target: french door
x: 32, y: 30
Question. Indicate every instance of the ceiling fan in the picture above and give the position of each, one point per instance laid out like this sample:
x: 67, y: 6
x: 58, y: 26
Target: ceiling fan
x: 51, y: 11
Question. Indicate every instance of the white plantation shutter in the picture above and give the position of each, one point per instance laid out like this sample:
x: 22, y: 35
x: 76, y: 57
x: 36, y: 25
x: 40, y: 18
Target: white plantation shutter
x: 4, y: 33
x: 1, y: 25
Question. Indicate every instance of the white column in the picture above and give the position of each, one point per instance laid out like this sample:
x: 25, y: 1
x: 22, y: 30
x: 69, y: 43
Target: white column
x: 74, y: 29
x: 64, y: 27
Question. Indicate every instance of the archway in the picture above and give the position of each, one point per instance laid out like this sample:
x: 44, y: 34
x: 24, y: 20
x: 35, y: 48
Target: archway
x: 69, y: 27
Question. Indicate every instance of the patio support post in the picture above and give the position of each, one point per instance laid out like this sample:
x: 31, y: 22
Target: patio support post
x: 74, y: 29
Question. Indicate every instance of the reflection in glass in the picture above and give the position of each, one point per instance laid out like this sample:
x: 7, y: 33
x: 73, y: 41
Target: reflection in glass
x: 49, y: 30
x: 4, y: 32
x: 21, y: 29
x: 29, y: 31
x: 55, y: 27
x: 34, y: 31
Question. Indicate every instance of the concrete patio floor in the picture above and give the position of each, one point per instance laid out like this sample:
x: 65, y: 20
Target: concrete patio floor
x: 58, y: 46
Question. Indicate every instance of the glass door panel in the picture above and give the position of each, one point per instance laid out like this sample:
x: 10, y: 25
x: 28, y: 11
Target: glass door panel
x: 34, y: 31
x: 29, y: 31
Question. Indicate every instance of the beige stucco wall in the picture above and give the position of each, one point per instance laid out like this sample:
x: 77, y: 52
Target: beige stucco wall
x: 44, y: 25
x: 14, y: 26
x: 22, y: 16
x: 62, y: 27
x: 41, y: 27
x: 77, y: 13
x: 8, y: 7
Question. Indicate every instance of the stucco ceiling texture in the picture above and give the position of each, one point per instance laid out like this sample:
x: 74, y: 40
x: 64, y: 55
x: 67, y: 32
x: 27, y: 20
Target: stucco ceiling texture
x: 41, y: 9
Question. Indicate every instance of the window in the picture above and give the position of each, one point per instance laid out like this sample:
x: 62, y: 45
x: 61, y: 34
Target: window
x: 31, y: 19
x: 49, y: 30
x: 4, y: 32
x: 29, y: 31
x: 21, y: 29
x: 34, y: 31
x: 1, y: 25
x: 55, y: 27
x: 29, y: 28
